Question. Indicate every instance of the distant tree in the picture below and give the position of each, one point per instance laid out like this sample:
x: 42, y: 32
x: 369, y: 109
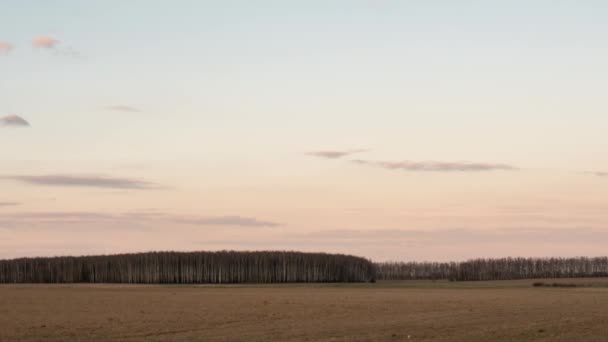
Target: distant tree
x: 190, y: 268
x: 495, y: 269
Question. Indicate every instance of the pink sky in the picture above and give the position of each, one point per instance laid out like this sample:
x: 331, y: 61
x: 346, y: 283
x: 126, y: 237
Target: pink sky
x: 395, y: 131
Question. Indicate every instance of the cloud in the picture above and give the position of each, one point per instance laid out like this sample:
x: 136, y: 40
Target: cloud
x: 45, y: 42
x: 14, y: 120
x: 434, y: 166
x: 84, y: 181
x: 466, y: 236
x: 50, y: 43
x: 228, y: 220
x: 8, y: 204
x: 61, y: 215
x: 225, y: 221
x: 599, y: 173
x: 130, y: 219
x: 5, y: 48
x: 333, y: 154
x: 122, y: 108
x: 420, y: 245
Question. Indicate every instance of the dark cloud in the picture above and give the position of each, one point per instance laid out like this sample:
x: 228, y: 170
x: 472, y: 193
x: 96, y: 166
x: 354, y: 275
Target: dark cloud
x: 84, y: 181
x: 122, y: 108
x: 14, y: 120
x: 435, y: 166
x: 333, y: 154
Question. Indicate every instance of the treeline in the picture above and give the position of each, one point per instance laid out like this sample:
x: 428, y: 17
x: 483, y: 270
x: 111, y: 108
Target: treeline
x: 190, y: 268
x: 280, y: 267
x: 495, y: 269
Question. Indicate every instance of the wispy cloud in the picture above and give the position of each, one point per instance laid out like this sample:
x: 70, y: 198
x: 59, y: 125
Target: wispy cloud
x: 14, y: 120
x: 45, y: 42
x: 435, y: 166
x: 130, y: 219
x: 55, y: 45
x: 84, y: 181
x: 599, y: 173
x: 427, y: 166
x: 5, y: 48
x: 8, y: 204
x: 468, y: 236
x: 122, y: 108
x: 333, y: 154
x: 224, y: 221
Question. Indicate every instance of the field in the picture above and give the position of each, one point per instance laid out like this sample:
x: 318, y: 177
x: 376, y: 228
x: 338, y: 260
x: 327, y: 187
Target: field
x: 385, y: 311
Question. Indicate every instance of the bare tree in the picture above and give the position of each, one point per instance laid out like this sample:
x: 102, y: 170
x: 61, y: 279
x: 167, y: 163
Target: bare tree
x: 190, y: 268
x: 495, y: 269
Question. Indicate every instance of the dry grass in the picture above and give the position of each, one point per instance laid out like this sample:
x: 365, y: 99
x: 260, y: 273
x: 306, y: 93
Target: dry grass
x: 424, y: 311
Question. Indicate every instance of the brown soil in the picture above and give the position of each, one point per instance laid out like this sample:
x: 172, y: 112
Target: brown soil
x: 400, y: 311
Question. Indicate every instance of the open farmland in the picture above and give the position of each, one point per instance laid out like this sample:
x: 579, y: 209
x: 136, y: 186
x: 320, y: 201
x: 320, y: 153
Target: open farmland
x: 385, y: 311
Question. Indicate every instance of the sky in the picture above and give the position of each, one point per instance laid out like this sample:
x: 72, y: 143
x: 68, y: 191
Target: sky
x: 394, y: 130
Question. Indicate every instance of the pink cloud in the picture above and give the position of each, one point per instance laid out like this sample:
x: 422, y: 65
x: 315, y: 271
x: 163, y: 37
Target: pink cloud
x: 45, y: 42
x: 14, y: 120
x: 5, y: 48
